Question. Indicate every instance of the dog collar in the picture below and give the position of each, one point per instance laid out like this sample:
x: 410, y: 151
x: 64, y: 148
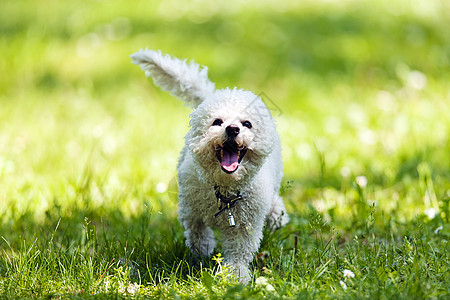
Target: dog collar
x: 226, y: 203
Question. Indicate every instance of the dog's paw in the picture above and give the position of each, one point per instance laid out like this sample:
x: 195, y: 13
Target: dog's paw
x: 278, y: 216
x: 240, y: 272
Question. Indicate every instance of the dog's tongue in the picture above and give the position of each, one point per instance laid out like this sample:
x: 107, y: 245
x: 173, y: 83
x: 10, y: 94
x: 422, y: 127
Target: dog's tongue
x: 230, y: 161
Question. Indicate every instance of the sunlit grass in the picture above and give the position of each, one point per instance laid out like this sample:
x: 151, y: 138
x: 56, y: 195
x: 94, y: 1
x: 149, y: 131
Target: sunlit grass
x: 88, y: 146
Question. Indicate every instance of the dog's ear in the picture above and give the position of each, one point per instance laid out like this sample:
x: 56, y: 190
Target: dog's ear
x: 186, y: 81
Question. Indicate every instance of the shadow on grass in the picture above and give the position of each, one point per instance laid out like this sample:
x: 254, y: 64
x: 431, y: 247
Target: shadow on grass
x: 88, y: 254
x: 88, y: 247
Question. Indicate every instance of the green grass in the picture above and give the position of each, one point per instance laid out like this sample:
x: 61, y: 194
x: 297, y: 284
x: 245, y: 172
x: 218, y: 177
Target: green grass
x: 88, y: 147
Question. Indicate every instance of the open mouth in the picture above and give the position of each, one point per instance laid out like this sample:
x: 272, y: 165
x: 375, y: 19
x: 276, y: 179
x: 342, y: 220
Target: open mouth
x: 230, y: 155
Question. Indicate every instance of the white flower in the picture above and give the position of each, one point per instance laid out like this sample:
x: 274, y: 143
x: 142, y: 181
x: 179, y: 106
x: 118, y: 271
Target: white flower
x: 133, y: 288
x: 344, y: 286
x: 430, y: 212
x: 348, y: 273
x: 436, y: 231
x: 270, y: 288
x: 361, y: 181
x: 262, y: 282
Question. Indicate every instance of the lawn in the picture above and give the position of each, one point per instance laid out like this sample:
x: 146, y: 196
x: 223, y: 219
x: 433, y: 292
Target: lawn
x: 89, y: 146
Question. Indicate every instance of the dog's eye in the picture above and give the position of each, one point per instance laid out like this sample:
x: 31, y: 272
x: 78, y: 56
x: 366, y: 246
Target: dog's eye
x: 217, y: 122
x: 247, y: 124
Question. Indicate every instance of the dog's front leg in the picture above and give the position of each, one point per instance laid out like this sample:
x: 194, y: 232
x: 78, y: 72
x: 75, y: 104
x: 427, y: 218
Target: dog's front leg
x: 199, y: 237
x: 239, y: 246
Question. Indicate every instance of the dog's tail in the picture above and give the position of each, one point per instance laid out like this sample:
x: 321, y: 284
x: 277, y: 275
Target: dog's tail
x: 186, y: 81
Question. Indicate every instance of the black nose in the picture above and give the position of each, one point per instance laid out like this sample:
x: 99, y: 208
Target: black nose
x: 232, y: 130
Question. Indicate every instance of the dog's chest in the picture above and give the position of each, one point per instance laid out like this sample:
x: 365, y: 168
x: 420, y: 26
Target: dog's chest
x: 216, y: 214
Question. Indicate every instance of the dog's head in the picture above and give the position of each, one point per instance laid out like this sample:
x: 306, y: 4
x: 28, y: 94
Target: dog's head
x: 231, y: 134
x: 232, y: 131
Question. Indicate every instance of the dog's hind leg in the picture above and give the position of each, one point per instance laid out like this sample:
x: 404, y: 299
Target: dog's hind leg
x: 277, y: 216
x: 199, y: 238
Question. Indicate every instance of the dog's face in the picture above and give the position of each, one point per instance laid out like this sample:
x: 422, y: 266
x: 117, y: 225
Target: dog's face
x: 231, y: 135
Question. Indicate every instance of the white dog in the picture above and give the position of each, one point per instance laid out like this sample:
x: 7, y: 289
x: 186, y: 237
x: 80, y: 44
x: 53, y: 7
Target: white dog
x: 230, y: 170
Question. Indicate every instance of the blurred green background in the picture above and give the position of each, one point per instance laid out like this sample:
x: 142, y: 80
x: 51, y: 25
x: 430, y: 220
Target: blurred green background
x: 363, y: 89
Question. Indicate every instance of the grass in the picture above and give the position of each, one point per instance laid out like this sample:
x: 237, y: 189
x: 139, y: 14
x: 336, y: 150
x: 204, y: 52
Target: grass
x: 88, y: 147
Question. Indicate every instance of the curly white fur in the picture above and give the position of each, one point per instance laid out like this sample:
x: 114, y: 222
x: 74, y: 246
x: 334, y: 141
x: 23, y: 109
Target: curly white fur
x: 183, y: 80
x: 257, y: 176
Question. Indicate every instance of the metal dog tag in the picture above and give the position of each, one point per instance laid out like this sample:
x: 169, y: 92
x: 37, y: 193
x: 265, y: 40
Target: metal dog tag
x: 231, y: 220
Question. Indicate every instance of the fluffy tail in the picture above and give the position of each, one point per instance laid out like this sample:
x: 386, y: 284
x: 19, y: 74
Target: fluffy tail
x: 186, y: 81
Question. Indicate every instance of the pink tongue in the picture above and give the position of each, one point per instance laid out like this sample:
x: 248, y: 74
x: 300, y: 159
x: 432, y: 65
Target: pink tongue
x: 230, y: 161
